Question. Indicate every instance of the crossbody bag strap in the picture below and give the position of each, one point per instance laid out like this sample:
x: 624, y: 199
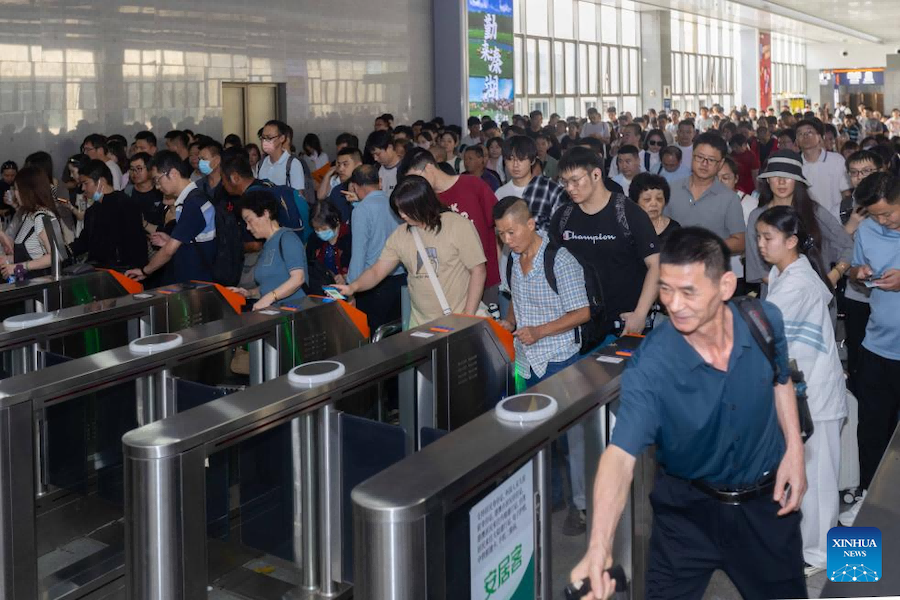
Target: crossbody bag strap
x: 432, y: 277
x: 752, y: 314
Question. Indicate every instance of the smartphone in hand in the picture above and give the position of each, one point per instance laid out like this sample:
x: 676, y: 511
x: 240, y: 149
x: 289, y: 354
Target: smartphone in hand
x: 333, y: 293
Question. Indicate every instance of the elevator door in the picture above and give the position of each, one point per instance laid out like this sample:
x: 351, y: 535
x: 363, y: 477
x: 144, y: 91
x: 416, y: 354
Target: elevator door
x: 247, y: 106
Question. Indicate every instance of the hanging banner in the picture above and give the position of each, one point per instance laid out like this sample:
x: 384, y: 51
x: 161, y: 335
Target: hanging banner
x: 490, y: 57
x: 765, y: 70
x: 501, y: 540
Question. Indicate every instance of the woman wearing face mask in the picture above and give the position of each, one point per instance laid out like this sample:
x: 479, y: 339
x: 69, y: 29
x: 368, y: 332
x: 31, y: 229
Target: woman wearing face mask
x: 28, y: 251
x: 783, y: 184
x: 799, y: 287
x: 649, y: 156
x: 328, y: 254
x: 281, y: 268
x: 651, y: 193
x: 424, y: 140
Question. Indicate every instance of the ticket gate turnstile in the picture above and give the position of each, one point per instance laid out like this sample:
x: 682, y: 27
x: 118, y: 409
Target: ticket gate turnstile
x: 483, y: 521
x: 60, y: 523
x: 457, y: 368
x: 29, y: 340
x: 48, y: 294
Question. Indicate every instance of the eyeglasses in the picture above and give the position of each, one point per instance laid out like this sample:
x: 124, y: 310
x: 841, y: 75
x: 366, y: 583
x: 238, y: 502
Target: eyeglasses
x: 807, y: 133
x: 862, y: 172
x: 88, y: 149
x: 573, y: 182
x: 269, y: 138
x: 706, y: 160
x: 157, y: 179
x: 659, y: 143
x: 137, y: 169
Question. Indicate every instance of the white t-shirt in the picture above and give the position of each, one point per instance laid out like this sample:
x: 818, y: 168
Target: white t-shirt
x: 116, y: 174
x: 469, y: 141
x: 687, y: 155
x: 388, y: 178
x: 596, y: 129
x: 704, y: 124
x: 625, y: 183
x: 277, y: 172
x: 827, y: 178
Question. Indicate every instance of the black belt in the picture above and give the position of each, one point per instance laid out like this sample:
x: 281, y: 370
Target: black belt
x: 736, y: 495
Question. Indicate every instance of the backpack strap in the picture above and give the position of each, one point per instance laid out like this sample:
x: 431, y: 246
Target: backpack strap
x: 549, y: 264
x: 287, y: 170
x: 646, y: 161
x: 752, y: 313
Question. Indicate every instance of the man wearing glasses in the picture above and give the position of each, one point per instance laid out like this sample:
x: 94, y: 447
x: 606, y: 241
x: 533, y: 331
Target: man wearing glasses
x: 825, y: 171
x: 279, y: 166
x: 192, y: 245
x: 143, y: 192
x: 704, y: 201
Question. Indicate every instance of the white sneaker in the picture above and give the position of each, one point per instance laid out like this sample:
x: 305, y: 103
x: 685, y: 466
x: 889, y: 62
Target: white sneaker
x: 847, y: 517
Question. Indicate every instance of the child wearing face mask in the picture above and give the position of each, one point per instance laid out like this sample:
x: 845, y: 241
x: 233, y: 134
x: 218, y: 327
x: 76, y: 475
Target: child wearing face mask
x: 328, y: 252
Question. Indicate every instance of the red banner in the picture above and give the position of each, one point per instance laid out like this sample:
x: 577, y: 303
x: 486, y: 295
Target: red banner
x: 765, y: 70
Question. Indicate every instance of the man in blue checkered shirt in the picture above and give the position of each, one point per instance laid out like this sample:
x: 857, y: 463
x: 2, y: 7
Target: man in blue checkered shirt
x: 545, y: 322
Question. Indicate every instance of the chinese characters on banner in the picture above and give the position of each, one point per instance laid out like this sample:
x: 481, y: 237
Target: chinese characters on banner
x: 501, y: 540
x: 490, y: 44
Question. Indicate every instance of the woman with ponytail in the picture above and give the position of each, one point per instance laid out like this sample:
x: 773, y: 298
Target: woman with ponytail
x: 800, y: 288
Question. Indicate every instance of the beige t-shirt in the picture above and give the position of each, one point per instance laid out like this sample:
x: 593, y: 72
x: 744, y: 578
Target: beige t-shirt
x: 453, y: 252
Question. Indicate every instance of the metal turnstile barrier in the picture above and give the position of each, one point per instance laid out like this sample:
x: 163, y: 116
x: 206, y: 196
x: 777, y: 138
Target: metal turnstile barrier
x: 470, y: 516
x: 881, y: 510
x: 47, y: 294
x: 99, y: 325
x: 446, y: 373
x: 61, y: 534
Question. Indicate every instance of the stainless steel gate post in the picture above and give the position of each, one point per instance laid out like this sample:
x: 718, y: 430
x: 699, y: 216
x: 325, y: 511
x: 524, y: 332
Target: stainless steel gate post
x: 329, y: 526
x: 257, y: 366
x: 165, y: 527
x: 543, y: 527
x: 18, y: 546
x: 306, y: 520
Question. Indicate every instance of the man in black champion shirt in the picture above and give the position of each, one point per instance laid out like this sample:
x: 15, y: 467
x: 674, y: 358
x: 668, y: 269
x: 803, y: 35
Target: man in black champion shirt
x: 611, y: 235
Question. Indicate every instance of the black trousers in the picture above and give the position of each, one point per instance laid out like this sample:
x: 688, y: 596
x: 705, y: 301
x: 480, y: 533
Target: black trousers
x: 694, y: 534
x: 382, y: 303
x: 856, y: 317
x: 878, y: 383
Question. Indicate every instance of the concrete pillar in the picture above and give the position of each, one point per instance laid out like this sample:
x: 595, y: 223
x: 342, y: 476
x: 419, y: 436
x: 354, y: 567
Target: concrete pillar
x: 656, y: 50
x: 892, y: 83
x: 747, y: 69
x: 449, y: 37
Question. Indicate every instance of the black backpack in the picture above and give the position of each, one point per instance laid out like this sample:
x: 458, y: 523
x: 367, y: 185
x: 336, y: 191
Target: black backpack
x: 229, y: 263
x: 593, y: 332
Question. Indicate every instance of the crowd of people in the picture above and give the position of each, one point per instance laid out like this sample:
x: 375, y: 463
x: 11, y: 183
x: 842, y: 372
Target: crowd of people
x: 578, y: 230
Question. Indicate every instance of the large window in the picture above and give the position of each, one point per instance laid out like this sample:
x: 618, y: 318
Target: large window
x: 577, y: 55
x: 788, y: 67
x: 702, y: 63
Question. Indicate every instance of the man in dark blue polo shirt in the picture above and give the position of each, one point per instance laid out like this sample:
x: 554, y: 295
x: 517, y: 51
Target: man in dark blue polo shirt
x: 192, y: 245
x: 702, y: 390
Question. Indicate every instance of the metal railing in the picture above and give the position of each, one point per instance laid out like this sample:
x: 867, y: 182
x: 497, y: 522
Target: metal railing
x: 406, y: 516
x: 45, y: 293
x: 454, y: 359
x: 276, y: 338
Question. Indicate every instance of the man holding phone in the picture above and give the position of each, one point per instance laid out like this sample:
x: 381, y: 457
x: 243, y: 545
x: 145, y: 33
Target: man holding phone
x: 876, y: 260
x: 732, y: 473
